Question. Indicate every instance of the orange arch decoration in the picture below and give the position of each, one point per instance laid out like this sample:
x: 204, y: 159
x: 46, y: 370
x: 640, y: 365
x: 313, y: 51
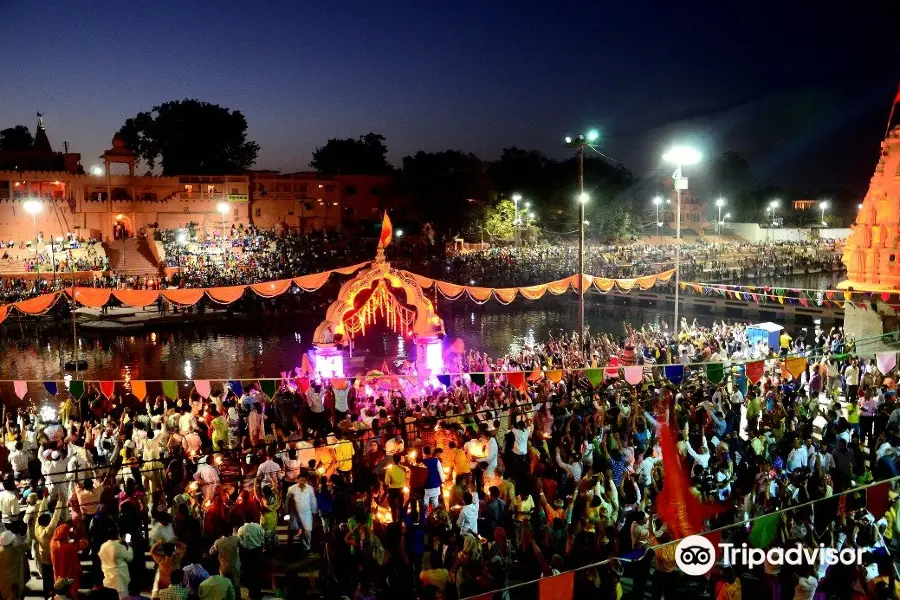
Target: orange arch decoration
x: 426, y: 322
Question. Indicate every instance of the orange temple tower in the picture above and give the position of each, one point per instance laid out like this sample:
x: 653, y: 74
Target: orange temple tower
x: 872, y: 251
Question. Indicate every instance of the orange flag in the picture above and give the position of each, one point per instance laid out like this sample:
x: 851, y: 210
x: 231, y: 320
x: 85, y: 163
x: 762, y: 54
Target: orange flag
x: 387, y: 231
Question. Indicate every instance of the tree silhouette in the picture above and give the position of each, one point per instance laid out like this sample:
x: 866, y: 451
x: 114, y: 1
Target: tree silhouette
x: 16, y: 138
x: 191, y: 137
x: 364, y: 156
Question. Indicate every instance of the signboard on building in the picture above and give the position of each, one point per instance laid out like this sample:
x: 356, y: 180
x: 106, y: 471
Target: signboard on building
x: 238, y: 198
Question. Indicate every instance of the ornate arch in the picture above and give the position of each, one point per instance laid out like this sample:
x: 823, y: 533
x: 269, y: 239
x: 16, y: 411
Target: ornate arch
x: 426, y: 322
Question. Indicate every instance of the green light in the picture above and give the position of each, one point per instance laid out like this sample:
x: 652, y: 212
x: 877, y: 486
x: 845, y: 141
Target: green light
x: 593, y: 135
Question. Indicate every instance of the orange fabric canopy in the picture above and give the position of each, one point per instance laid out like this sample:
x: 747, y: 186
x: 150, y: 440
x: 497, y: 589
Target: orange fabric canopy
x: 479, y: 294
x: 271, y: 289
x: 226, y: 295
x: 450, y: 290
x: 505, y: 295
x: 3, y: 312
x: 90, y: 297
x: 38, y: 305
x: 186, y: 297
x: 136, y: 298
x: 310, y: 283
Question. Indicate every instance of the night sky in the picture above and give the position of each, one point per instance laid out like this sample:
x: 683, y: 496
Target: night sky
x: 803, y: 92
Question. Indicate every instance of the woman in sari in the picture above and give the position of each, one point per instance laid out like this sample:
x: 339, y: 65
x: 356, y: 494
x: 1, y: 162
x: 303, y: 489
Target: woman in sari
x: 65, y: 545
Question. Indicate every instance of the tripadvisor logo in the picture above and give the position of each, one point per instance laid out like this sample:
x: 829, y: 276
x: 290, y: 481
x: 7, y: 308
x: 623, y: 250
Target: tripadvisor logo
x: 696, y: 555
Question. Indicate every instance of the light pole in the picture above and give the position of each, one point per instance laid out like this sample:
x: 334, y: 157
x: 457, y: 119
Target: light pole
x: 579, y: 144
x: 772, y: 206
x: 33, y: 207
x: 516, y: 198
x: 679, y: 156
x: 822, y: 206
x: 657, y: 202
x: 719, y: 203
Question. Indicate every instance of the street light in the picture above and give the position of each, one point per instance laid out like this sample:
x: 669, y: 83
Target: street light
x: 822, y: 206
x: 578, y: 144
x: 96, y: 170
x: 859, y: 206
x: 657, y: 202
x: 33, y: 207
x: 719, y: 203
x: 516, y: 198
x: 679, y: 156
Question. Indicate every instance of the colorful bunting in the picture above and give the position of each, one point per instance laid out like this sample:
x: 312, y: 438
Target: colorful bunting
x: 886, y: 361
x: 139, y: 388
x: 170, y: 389
x: 633, y: 374
x: 559, y: 587
x: 203, y: 387
x: 268, y: 387
x: 535, y: 375
x: 764, y: 530
x: 755, y: 371
x: 517, y: 380
x: 76, y: 388
x: 478, y: 379
x: 237, y: 387
x: 51, y: 387
x: 674, y: 373
x: 21, y: 389
x: 555, y: 375
x: 877, y: 499
x: 107, y: 388
x: 795, y: 365
x: 444, y: 380
x: 715, y: 372
x: 594, y: 376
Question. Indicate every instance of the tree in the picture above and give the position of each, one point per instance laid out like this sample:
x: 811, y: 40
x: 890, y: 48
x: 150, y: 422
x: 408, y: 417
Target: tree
x: 364, y: 156
x: 191, y: 137
x: 446, y: 185
x: 16, y: 138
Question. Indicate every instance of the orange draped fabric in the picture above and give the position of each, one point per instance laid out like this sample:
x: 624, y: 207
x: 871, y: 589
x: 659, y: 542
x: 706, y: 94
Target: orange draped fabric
x: 184, y: 297
x: 665, y: 275
x: 479, y: 294
x: 425, y: 282
x: 272, y: 288
x: 559, y: 287
x: 625, y: 284
x: 37, y: 306
x: 3, y: 313
x: 90, y: 297
x: 227, y: 294
x: 603, y: 284
x: 351, y: 269
x: 645, y: 283
x: 533, y: 292
x: 310, y: 283
x: 450, y: 290
x: 505, y: 295
x: 137, y: 298
x: 586, y: 282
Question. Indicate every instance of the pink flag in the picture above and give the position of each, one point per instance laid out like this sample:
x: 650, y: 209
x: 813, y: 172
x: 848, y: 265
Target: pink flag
x: 886, y: 361
x: 21, y: 388
x: 634, y: 375
x: 203, y: 387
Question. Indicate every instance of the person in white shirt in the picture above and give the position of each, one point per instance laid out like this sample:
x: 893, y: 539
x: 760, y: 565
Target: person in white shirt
x: 19, y: 460
x: 9, y: 501
x: 306, y: 453
x: 114, y: 558
x: 491, y: 452
x: 468, y: 515
x: 186, y: 421
x: 702, y: 457
x: 394, y: 445
x: 797, y: 459
x: 341, y: 407
x: 208, y: 478
x: 271, y: 469
x: 301, y: 506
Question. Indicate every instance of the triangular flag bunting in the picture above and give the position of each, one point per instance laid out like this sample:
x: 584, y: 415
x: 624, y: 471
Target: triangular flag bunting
x: 715, y: 372
x: 170, y: 389
x: 107, y: 388
x: 51, y: 387
x: 21, y: 388
x: 76, y: 388
x: 139, y: 388
x: 755, y: 371
x: 674, y: 373
x: 477, y: 378
x: 594, y: 376
x: 268, y: 387
x: 203, y: 387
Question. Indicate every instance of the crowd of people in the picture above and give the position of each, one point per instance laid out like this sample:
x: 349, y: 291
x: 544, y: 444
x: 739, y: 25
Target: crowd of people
x: 459, y: 488
x: 250, y: 255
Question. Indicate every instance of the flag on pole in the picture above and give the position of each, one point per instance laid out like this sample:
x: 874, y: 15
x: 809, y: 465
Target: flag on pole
x: 387, y: 231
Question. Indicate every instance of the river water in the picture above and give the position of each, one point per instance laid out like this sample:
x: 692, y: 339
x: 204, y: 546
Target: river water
x: 247, y: 347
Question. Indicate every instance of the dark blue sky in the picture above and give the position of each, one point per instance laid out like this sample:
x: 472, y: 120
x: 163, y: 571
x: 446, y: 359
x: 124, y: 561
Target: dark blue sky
x: 802, y: 89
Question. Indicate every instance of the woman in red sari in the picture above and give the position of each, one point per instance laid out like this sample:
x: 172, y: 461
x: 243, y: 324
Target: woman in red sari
x: 64, y: 548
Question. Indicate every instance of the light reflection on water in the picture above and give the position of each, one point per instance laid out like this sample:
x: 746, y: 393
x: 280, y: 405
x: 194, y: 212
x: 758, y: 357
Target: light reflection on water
x: 251, y: 347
